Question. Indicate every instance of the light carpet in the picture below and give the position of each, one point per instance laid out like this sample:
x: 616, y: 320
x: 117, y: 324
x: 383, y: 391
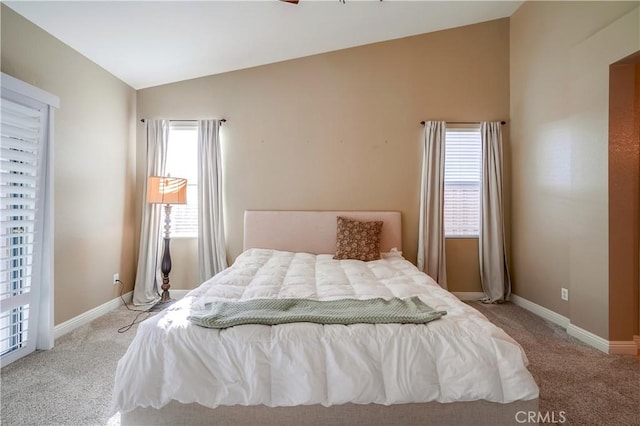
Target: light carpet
x: 587, y: 385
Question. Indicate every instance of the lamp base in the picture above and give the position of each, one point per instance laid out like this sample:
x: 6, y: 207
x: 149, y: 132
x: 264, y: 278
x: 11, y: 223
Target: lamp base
x: 165, y: 297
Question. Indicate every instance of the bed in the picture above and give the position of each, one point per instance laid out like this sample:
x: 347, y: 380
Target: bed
x: 458, y: 369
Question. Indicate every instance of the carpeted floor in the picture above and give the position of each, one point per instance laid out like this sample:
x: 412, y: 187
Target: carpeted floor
x: 589, y: 386
x: 71, y: 384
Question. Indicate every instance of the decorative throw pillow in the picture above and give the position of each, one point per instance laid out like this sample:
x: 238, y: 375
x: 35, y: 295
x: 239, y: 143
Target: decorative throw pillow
x: 358, y: 240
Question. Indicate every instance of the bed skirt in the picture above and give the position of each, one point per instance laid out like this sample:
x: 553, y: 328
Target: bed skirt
x: 432, y: 413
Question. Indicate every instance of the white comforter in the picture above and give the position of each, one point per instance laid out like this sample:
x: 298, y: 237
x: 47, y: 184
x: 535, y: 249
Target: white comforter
x: 460, y: 357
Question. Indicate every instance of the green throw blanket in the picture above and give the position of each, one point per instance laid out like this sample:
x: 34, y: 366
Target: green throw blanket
x: 343, y: 311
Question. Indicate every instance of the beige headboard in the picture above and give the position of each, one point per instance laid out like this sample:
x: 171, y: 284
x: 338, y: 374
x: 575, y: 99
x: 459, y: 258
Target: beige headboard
x: 312, y: 231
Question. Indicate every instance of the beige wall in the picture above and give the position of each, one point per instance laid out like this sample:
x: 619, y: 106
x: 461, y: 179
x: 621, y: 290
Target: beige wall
x: 94, y: 164
x: 340, y: 130
x: 560, y: 54
x: 463, y: 265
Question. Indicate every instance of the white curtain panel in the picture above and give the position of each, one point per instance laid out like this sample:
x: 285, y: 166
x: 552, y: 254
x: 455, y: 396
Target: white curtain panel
x: 431, y: 243
x: 145, y: 292
x: 212, y: 253
x: 494, y: 272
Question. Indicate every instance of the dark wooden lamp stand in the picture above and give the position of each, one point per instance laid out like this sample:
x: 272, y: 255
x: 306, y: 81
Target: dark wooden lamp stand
x: 165, y: 267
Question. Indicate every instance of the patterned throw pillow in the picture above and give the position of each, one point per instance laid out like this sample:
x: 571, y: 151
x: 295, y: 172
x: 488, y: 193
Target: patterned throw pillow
x: 358, y: 240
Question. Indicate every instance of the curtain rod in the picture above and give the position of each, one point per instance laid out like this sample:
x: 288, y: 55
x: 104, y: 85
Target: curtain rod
x: 222, y: 120
x: 463, y: 122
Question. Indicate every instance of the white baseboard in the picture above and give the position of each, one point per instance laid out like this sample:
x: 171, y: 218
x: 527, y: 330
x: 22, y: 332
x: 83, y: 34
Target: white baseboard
x: 468, y: 295
x: 604, y: 345
x: 90, y: 315
x: 85, y: 318
x: 541, y: 311
x: 588, y: 338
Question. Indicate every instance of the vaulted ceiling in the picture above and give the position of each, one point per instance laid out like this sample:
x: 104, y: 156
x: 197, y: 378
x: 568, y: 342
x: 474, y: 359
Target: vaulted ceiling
x: 149, y: 43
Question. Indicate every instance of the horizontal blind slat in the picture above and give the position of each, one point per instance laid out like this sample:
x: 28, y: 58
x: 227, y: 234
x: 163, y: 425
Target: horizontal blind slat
x: 14, y: 107
x: 13, y: 167
x: 17, y: 202
x: 25, y: 275
x: 20, y: 133
x: 11, y: 179
x: 21, y: 192
x: 27, y: 246
x: 19, y: 144
x: 17, y: 214
x: 20, y: 121
x: 16, y: 155
x: 16, y: 224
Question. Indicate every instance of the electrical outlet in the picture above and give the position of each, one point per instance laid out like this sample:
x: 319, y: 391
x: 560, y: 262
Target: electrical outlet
x: 116, y: 278
x: 564, y: 294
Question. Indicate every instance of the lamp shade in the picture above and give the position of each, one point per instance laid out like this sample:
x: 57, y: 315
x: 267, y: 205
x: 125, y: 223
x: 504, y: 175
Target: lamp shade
x: 166, y: 190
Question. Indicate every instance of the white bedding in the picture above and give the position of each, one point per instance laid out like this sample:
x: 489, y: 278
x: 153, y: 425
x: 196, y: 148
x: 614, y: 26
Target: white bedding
x: 460, y: 357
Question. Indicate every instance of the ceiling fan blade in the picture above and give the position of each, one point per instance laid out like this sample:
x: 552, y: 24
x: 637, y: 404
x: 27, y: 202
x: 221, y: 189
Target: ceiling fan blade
x: 290, y: 1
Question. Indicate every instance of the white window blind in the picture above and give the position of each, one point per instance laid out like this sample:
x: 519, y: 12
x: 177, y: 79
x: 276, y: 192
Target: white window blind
x: 182, y: 161
x: 462, y: 173
x: 24, y: 125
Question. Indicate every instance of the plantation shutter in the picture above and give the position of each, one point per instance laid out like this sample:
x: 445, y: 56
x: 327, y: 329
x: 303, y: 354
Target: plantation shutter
x: 24, y: 129
x: 463, y: 158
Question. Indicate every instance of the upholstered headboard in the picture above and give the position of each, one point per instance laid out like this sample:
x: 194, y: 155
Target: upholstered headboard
x: 312, y: 231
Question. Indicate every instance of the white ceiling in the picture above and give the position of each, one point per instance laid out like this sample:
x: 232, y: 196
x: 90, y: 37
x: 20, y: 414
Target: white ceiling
x: 148, y: 43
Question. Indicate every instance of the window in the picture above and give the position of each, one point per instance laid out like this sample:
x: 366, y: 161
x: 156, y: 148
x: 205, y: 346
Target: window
x: 182, y: 161
x: 462, y: 171
x: 26, y: 271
